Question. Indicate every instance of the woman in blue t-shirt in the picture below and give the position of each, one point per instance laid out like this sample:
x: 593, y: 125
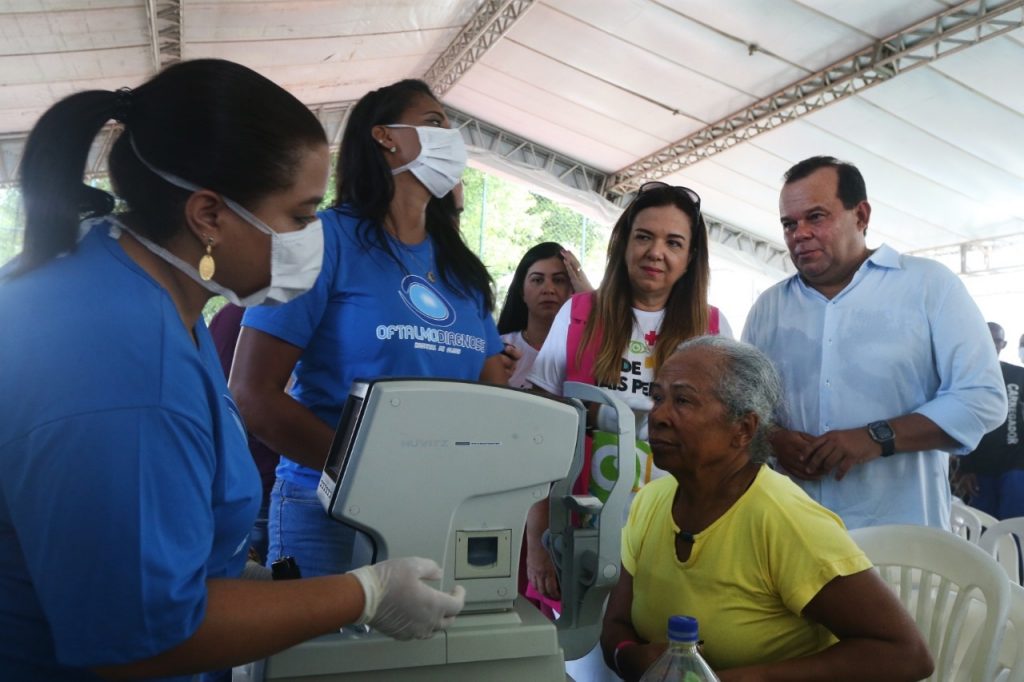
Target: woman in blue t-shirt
x: 128, y: 491
x: 400, y: 294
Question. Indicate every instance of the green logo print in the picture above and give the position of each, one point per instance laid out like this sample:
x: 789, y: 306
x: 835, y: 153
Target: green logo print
x: 604, y: 469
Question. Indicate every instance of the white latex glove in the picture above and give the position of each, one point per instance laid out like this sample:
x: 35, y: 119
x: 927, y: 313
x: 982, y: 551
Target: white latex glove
x: 400, y: 605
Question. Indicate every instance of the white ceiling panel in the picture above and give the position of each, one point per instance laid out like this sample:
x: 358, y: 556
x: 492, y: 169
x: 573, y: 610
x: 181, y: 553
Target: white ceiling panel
x: 684, y: 43
x: 521, y: 116
x: 734, y: 189
x: 606, y: 83
x: 575, y: 85
x: 62, y: 6
x: 876, y: 18
x: 994, y: 70
x: 937, y: 216
x: 959, y: 115
x: 635, y: 69
x: 97, y: 29
x: 583, y: 121
x: 284, y: 19
x: 722, y: 203
x: 328, y: 52
x: 342, y: 82
x: 76, y: 66
x: 804, y: 37
x: 963, y: 177
x: 758, y: 164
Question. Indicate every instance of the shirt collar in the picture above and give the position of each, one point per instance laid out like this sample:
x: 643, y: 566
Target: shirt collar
x: 885, y: 257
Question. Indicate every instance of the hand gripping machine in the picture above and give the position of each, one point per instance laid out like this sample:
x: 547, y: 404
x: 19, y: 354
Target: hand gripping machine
x: 448, y: 470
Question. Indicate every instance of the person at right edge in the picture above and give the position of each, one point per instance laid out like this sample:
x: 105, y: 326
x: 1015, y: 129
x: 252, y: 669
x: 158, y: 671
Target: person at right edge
x: 993, y: 475
x: 884, y: 357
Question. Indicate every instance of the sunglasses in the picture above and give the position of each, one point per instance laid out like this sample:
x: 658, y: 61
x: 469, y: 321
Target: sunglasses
x: 685, y: 191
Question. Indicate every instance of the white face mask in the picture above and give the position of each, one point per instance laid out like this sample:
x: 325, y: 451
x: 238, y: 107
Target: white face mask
x: 295, y: 257
x: 441, y: 160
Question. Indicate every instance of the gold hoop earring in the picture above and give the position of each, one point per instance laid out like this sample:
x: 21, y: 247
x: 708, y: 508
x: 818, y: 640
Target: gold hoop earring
x: 206, y: 264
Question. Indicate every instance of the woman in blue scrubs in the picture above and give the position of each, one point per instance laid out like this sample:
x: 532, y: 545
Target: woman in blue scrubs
x: 127, y: 491
x: 400, y: 294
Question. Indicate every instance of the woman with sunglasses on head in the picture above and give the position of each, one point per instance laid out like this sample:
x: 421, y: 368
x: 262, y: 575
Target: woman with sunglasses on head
x: 400, y: 294
x: 544, y: 279
x: 128, y: 491
x: 652, y: 298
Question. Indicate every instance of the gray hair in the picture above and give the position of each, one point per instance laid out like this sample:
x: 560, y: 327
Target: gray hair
x: 748, y: 383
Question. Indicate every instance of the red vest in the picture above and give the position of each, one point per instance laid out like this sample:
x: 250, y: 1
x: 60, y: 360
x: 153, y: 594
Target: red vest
x: 579, y: 312
x: 583, y: 371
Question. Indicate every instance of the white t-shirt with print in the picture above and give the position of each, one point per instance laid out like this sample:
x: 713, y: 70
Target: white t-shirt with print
x: 637, y: 366
x: 636, y: 374
x: 525, y: 364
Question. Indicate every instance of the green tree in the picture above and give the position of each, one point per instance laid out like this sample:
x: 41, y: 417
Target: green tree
x: 11, y: 231
x: 584, y: 237
x: 502, y: 219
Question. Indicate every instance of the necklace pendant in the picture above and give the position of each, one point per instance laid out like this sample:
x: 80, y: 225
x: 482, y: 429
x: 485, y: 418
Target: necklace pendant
x: 430, y: 276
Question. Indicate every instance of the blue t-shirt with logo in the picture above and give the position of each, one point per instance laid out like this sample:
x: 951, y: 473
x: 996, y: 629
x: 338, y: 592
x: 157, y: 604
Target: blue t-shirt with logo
x: 367, y: 316
x: 127, y: 480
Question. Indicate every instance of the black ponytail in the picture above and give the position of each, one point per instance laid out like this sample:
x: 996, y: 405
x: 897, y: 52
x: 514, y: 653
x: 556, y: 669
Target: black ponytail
x: 455, y: 260
x: 52, y: 167
x: 217, y: 124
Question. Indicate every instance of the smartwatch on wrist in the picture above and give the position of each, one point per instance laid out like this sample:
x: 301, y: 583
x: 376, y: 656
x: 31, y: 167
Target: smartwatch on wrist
x: 883, y: 434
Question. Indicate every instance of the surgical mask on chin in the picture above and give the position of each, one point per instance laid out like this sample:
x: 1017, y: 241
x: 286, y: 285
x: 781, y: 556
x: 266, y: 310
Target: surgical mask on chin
x: 441, y: 160
x: 295, y: 257
x: 286, y: 283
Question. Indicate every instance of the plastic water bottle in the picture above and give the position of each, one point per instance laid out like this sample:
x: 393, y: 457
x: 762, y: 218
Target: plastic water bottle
x: 681, y: 662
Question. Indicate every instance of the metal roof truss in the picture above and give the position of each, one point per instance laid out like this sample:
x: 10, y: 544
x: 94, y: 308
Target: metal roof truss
x: 952, y: 30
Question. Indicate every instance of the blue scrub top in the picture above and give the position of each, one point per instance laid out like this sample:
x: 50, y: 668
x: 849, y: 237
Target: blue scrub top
x: 367, y: 316
x: 127, y: 482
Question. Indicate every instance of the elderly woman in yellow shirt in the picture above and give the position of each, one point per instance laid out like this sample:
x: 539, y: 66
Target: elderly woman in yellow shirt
x: 779, y: 588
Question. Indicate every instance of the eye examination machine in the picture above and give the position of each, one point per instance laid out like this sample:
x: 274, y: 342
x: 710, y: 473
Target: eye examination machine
x: 448, y: 470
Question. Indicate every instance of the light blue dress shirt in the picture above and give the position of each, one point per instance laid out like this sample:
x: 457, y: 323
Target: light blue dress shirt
x: 903, y: 336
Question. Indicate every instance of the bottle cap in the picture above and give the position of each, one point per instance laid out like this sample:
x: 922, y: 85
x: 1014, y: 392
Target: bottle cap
x: 682, y: 629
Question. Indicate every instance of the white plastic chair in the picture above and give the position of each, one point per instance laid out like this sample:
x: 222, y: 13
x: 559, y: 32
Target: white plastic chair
x: 1010, y: 666
x: 965, y: 522
x: 987, y: 520
x: 999, y: 541
x: 939, y: 578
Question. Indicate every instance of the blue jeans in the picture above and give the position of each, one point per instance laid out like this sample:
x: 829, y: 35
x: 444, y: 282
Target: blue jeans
x: 299, y: 527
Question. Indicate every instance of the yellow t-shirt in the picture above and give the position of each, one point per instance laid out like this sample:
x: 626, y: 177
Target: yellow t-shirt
x: 749, y: 575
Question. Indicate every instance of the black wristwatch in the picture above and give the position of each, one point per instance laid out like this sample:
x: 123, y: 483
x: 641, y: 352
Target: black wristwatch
x: 883, y: 434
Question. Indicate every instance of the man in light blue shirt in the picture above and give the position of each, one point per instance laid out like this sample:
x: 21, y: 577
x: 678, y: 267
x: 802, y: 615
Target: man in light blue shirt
x: 886, y: 361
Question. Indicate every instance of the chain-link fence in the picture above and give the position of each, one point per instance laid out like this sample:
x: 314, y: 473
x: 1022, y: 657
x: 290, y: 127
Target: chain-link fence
x: 502, y: 220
